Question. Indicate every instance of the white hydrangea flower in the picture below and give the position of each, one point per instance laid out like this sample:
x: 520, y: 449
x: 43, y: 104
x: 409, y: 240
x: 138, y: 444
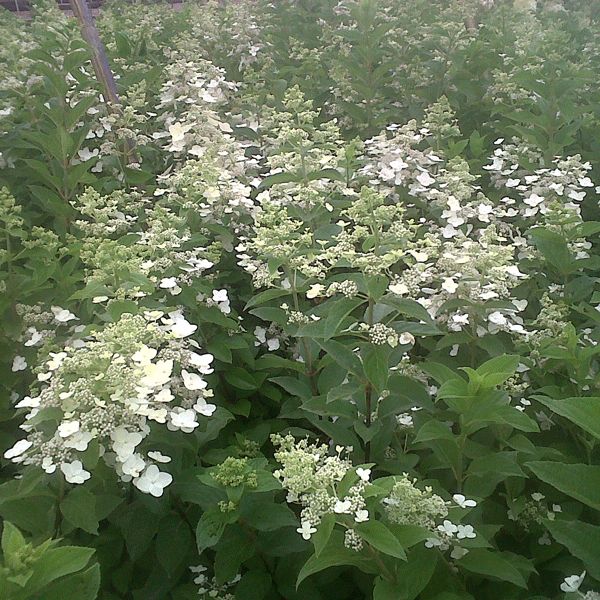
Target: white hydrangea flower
x: 74, y: 472
x: 133, y: 466
x: 18, y: 449
x: 67, y: 428
x: 35, y: 337
x: 109, y: 387
x: 306, y: 530
x: 153, y: 481
x: 62, y: 315
x: 204, y: 408
x: 364, y: 474
x: 447, y: 528
x: 342, y: 506
x: 183, y: 419
x: 221, y: 299
x: 192, y: 381
x: 124, y: 442
x: 462, y: 501
x: 56, y: 360
x: 465, y: 531
x: 79, y: 441
x: 158, y: 457
x: 19, y: 364
x: 180, y: 327
x: 28, y: 402
x: 157, y: 374
x: 202, y: 362
x: 571, y: 584
x: 144, y: 355
x: 315, y: 290
x: 361, y: 516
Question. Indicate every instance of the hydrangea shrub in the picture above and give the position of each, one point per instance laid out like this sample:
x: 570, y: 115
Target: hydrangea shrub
x: 314, y: 314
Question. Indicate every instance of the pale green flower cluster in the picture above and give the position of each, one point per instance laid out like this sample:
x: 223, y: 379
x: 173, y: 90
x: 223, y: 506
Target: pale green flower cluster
x: 409, y: 505
x: 157, y: 253
x: 203, y: 185
x: 296, y: 142
x: 209, y: 589
x: 312, y: 477
x: 233, y: 472
x: 104, y: 389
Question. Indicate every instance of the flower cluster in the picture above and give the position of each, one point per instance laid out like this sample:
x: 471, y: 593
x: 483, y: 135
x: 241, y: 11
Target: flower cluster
x: 209, y: 589
x: 233, y: 472
x: 158, y: 251
x: 409, y: 505
x: 313, y: 476
x: 551, y: 192
x: 103, y: 390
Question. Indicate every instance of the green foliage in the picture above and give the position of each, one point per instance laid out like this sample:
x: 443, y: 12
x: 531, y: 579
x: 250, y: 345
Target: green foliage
x: 313, y: 313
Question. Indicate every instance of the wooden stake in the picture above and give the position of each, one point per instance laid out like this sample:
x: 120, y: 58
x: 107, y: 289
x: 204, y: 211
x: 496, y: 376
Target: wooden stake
x: 100, y: 63
x: 99, y: 58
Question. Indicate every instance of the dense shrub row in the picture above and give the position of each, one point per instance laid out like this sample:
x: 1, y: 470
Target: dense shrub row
x: 313, y: 314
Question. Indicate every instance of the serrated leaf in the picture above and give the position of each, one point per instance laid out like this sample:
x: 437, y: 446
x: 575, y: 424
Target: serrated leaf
x: 381, y: 538
x: 82, y: 586
x: 209, y: 529
x: 581, y: 482
x: 584, y: 412
x: 334, y: 554
x: 79, y: 509
x: 492, y: 564
x: 173, y: 542
x: 581, y: 539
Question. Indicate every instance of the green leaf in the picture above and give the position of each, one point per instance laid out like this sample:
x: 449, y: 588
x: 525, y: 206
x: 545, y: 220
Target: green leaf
x: 376, y: 366
x: 139, y: 528
x: 441, y: 373
x: 434, y: 430
x: 584, y: 412
x: 381, y: 538
x: 385, y: 590
x: 325, y: 174
x: 260, y: 512
x: 240, y: 379
x: 58, y: 562
x: 173, y: 542
x: 321, y: 537
x: 407, y: 307
x: 414, y: 575
x: 82, y: 586
x: 581, y: 539
x: 271, y: 180
x: 293, y: 386
x: 342, y: 355
x: 334, y: 554
x: 12, y: 539
x: 341, y: 308
x: 498, y: 369
x: 235, y: 547
x: 265, y: 296
x: 209, y: 529
x: 581, y: 482
x: 254, y: 585
x: 554, y: 249
x: 492, y: 564
x: 79, y: 509
x: 502, y: 463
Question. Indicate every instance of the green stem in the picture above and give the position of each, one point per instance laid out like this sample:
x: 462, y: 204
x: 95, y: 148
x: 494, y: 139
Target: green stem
x: 369, y: 387
x: 385, y: 572
x: 59, y: 499
x: 305, y: 346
